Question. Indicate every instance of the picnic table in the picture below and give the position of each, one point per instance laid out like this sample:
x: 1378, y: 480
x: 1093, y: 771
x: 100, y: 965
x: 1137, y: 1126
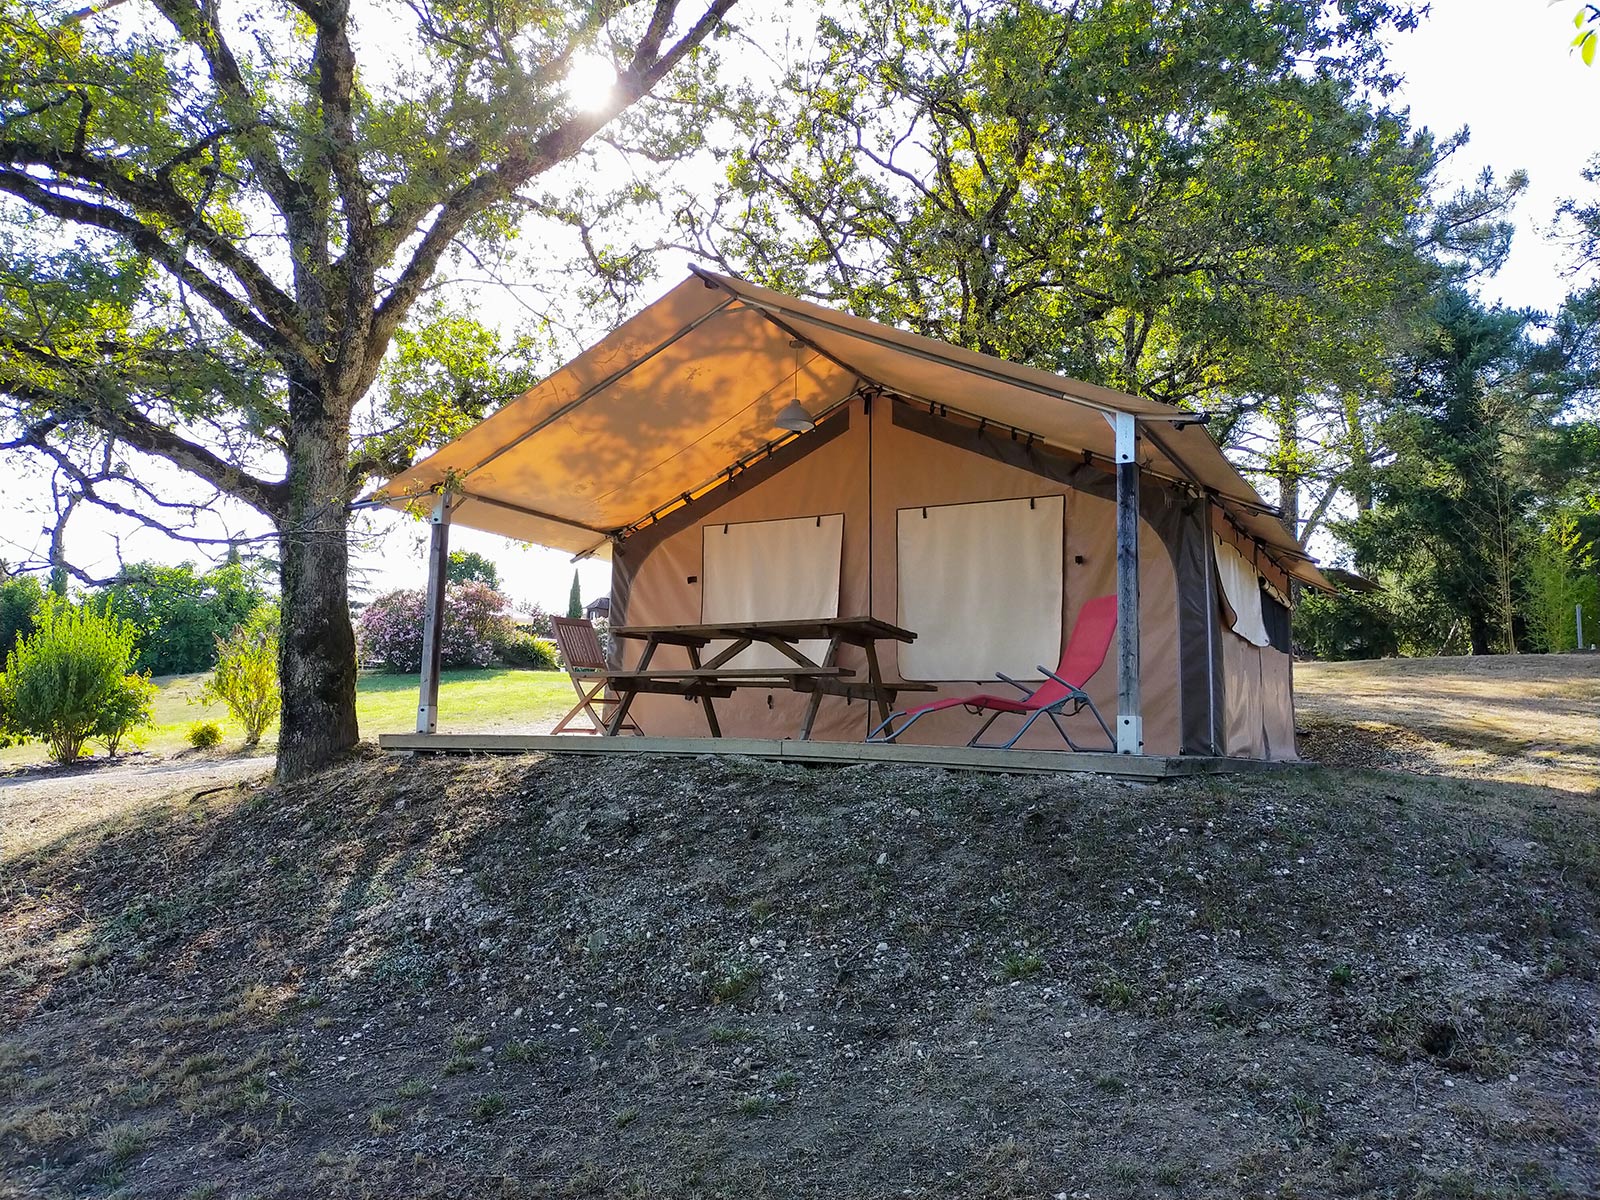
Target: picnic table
x: 713, y: 679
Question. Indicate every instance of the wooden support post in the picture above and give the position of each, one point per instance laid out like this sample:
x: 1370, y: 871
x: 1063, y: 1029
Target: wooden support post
x: 1130, y: 717
x: 433, y: 615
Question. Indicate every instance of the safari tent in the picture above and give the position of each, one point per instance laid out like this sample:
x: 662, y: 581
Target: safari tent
x: 973, y: 501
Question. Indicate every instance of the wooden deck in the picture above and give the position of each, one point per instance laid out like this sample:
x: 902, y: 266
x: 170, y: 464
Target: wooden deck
x: 956, y: 757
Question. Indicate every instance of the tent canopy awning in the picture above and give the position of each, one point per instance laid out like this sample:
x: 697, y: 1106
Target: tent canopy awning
x: 657, y: 412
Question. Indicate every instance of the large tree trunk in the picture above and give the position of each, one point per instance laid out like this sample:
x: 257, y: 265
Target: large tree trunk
x: 317, y: 655
x: 1481, y: 632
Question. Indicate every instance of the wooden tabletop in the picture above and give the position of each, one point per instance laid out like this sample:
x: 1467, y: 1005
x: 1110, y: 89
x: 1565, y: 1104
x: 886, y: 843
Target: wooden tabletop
x: 853, y: 629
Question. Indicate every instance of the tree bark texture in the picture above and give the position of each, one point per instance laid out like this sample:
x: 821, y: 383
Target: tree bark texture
x: 317, y: 649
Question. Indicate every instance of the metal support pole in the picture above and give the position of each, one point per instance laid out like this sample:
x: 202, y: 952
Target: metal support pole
x: 433, y: 615
x: 1130, y: 717
x: 1214, y: 745
x: 1579, y: 610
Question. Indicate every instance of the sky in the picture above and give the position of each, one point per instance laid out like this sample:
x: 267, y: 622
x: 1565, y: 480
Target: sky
x: 1502, y: 68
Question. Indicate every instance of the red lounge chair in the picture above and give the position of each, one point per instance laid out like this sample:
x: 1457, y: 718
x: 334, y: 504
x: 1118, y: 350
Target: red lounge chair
x: 1084, y: 655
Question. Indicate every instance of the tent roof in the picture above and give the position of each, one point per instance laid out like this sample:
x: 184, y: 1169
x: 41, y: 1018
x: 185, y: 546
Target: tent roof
x: 658, y: 411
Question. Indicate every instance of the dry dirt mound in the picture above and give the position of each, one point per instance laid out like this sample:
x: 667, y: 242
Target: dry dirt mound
x: 720, y: 978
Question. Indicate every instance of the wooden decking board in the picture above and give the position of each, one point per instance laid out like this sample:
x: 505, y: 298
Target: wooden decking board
x: 956, y: 757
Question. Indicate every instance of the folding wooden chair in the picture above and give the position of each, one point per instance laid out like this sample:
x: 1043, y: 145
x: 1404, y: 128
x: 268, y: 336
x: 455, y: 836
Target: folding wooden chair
x: 586, y: 666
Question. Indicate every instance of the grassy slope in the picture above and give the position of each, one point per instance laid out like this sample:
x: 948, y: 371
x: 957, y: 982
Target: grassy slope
x: 1524, y: 718
x: 468, y: 700
x: 716, y: 978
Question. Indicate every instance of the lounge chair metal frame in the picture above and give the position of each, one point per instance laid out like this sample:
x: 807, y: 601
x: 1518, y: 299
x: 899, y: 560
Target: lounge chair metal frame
x: 1101, y: 624
x: 1077, y: 697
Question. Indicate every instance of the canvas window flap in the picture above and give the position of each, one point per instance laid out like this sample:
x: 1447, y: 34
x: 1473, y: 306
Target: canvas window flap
x: 981, y: 586
x: 786, y: 570
x: 1241, y: 586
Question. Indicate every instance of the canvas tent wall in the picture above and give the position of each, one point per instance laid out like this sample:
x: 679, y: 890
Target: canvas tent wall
x: 983, y: 545
x: 657, y: 447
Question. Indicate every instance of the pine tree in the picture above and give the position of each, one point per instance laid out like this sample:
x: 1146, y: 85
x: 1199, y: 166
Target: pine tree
x: 575, y: 600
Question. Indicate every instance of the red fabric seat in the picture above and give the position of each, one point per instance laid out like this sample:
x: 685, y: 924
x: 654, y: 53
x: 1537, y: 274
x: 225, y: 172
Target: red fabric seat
x: 1084, y: 655
x: 981, y: 700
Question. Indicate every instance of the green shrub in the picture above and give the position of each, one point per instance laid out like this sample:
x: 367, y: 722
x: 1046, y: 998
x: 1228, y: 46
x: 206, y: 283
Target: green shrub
x: 526, y: 651
x: 246, y: 674
x: 1559, y: 577
x: 129, y: 708
x: 63, y: 678
x: 204, y: 734
x: 10, y: 735
x: 1345, y: 625
x: 21, y: 599
x: 181, y: 612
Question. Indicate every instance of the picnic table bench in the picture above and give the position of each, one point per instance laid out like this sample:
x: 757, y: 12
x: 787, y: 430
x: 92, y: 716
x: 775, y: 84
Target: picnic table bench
x: 713, y: 679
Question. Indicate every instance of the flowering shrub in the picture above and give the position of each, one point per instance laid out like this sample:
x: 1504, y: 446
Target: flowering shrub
x: 474, y: 621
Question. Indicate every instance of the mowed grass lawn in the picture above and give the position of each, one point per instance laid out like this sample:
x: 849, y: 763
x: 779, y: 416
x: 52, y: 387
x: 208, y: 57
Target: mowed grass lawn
x: 473, y: 701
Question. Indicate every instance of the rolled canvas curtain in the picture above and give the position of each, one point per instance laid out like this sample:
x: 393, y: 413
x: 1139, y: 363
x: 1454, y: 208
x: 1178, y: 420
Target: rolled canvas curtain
x: 1242, y: 587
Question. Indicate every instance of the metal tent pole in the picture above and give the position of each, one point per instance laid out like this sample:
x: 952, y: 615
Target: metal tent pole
x: 433, y: 615
x: 1130, y: 717
x: 1214, y: 746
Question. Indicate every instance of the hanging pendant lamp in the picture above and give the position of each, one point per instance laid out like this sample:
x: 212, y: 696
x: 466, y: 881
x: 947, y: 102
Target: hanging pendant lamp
x: 793, y: 416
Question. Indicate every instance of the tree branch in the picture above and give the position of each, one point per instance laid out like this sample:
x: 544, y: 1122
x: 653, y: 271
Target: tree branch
x: 87, y: 490
x: 141, y: 432
x: 196, y: 28
x: 155, y: 195
x: 336, y: 72
x: 647, y: 69
x: 149, y: 241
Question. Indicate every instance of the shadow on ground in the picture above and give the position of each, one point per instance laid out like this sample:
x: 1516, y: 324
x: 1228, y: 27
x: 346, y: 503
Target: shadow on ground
x: 720, y: 978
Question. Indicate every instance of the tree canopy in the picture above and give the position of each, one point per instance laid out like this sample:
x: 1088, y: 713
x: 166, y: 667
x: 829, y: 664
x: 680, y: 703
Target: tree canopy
x: 1455, y: 490
x: 1479, y: 510
x: 1160, y: 198
x: 468, y: 566
x: 1207, y: 204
